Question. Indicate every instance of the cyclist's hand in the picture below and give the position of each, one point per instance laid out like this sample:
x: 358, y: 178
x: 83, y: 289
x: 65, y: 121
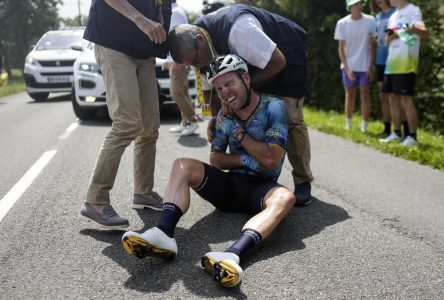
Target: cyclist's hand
x: 227, y: 110
x: 211, y: 128
x: 236, y: 130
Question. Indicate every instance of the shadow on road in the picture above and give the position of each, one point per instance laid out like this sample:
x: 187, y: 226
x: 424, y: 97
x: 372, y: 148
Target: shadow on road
x: 169, y: 116
x: 194, y: 141
x: 55, y: 98
x: 302, y: 223
x: 153, y: 275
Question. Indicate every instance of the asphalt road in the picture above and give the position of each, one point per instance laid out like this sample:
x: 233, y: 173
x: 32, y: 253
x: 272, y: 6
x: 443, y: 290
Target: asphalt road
x: 374, y: 230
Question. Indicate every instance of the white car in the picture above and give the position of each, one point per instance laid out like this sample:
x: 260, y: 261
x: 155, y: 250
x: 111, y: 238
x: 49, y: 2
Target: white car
x: 49, y: 65
x: 88, y: 90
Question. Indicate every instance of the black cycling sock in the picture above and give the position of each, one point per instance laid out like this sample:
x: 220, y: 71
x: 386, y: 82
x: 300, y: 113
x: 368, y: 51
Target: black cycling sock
x: 398, y: 132
x: 413, y: 135
x: 387, y: 127
x: 405, y: 126
x: 247, y: 240
x: 171, y: 214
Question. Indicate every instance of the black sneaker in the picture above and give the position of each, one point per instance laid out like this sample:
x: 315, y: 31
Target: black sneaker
x: 302, y: 193
x: 108, y: 218
x: 153, y: 201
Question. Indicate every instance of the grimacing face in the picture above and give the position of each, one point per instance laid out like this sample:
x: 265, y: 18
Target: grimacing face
x: 231, y: 90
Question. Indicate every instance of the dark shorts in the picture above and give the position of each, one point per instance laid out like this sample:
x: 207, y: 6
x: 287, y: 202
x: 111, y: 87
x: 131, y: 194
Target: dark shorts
x: 380, y: 69
x: 234, y: 192
x: 360, y: 79
x: 402, y: 84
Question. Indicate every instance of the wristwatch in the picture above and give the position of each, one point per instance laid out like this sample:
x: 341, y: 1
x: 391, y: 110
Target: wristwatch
x: 240, y: 136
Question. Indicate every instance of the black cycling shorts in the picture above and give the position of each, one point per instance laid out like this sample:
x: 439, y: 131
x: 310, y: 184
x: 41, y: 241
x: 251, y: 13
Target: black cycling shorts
x: 380, y: 69
x: 402, y: 84
x: 234, y: 192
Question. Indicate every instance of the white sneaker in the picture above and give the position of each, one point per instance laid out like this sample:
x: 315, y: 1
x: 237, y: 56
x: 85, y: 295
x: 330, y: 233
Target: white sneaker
x: 189, y: 129
x: 391, y: 138
x: 364, y: 126
x: 224, y: 267
x: 177, y: 129
x: 409, y: 141
x: 348, y: 124
x: 153, y: 242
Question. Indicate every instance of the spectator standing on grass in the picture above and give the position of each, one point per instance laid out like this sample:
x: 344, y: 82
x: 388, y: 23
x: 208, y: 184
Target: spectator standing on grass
x: 128, y: 35
x: 405, y: 28
x: 357, y: 48
x: 179, y: 82
x: 383, y: 11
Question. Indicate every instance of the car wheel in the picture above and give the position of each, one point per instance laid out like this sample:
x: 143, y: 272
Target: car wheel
x: 81, y: 113
x: 39, y: 96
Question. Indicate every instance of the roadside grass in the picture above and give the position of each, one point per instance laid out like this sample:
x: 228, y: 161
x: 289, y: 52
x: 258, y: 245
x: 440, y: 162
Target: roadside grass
x: 16, y: 84
x: 429, y: 151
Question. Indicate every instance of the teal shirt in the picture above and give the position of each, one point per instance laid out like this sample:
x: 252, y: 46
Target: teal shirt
x: 267, y: 124
x: 381, y: 26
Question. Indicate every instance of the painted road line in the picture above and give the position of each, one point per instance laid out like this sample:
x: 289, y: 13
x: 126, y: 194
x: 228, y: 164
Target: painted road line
x: 68, y: 130
x: 8, y: 201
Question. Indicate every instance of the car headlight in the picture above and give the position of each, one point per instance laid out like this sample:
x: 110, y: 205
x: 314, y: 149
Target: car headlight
x: 31, y: 61
x: 93, y: 68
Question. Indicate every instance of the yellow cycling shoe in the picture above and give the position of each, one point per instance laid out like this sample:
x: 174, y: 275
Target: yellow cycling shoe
x: 224, y: 267
x: 153, y: 242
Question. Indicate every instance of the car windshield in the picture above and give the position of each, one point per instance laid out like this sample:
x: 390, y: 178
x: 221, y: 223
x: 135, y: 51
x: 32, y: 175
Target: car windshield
x: 59, y: 41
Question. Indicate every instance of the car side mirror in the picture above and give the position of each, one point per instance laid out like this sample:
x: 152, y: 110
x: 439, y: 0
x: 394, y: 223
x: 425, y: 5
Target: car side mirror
x: 77, y: 47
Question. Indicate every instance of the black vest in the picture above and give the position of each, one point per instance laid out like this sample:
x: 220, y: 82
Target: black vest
x: 109, y: 28
x: 288, y: 36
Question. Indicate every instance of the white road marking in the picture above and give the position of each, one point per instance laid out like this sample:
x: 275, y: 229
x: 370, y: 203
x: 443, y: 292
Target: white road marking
x: 8, y: 201
x: 68, y: 130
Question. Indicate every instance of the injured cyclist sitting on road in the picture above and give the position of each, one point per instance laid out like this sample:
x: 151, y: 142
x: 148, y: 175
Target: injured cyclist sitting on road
x: 256, y: 134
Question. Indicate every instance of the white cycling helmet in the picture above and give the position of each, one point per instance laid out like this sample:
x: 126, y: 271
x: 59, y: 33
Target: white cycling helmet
x: 224, y: 64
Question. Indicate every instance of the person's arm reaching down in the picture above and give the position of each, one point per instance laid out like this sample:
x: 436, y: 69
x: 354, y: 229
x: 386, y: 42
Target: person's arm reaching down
x: 276, y: 64
x: 342, y: 57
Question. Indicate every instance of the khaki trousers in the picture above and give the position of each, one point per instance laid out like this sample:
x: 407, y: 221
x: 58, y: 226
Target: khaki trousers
x: 132, y: 100
x: 179, y: 92
x: 298, y: 149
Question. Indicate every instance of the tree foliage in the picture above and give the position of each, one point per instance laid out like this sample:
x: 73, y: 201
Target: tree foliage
x: 22, y: 22
x: 74, y: 22
x: 430, y: 80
